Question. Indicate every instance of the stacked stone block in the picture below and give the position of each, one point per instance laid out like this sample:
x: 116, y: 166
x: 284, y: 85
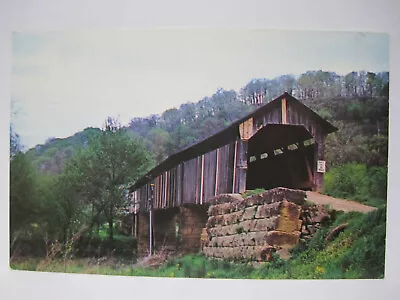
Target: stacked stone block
x: 192, y: 220
x: 255, y: 227
x: 313, y: 217
x: 143, y: 236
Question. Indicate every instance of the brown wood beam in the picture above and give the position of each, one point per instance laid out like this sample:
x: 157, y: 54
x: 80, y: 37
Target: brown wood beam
x: 242, y: 165
x: 319, y: 155
x: 284, y: 111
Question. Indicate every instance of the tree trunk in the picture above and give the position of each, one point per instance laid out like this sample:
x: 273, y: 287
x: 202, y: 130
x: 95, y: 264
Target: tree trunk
x: 65, y: 231
x: 110, y: 229
x: 111, y: 223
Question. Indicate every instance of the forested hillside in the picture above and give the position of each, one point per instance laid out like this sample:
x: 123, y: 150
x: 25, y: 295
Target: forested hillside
x: 68, y: 195
x: 52, y: 156
x: 356, y: 103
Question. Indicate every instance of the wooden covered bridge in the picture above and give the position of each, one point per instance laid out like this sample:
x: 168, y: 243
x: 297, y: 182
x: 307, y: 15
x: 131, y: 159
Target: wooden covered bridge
x: 280, y: 144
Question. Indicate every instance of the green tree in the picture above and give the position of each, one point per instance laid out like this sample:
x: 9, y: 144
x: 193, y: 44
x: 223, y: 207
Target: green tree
x: 98, y: 175
x: 351, y: 83
x: 15, y: 145
x: 159, y: 140
x: 22, y: 192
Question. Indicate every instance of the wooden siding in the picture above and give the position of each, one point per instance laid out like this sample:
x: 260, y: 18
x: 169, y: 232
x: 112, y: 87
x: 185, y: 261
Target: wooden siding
x: 219, y: 163
x: 193, y: 181
x: 295, y: 115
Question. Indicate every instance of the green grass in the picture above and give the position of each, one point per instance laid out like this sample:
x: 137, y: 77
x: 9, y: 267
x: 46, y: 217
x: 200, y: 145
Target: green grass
x: 357, y: 252
x: 249, y: 193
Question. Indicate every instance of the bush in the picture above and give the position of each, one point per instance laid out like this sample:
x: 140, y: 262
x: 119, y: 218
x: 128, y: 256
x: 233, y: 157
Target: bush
x: 357, y: 182
x: 378, y: 182
x: 32, y: 246
x: 357, y: 252
x: 122, y: 246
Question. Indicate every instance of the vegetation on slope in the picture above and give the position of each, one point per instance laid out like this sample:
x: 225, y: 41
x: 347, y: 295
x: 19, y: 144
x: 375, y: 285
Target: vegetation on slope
x: 53, y: 155
x: 357, y: 252
x: 356, y: 103
x: 367, y: 185
x: 88, y: 193
x: 63, y: 190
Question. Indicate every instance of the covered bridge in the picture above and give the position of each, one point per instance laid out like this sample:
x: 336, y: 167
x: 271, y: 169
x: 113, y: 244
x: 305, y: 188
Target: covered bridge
x: 280, y: 144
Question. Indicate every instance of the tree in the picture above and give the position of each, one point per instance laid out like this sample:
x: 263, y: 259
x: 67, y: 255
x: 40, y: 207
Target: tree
x: 351, y: 83
x: 171, y: 118
x: 15, y: 145
x: 97, y: 177
x: 159, y: 141
x: 24, y: 204
x: 22, y: 192
x: 306, y: 85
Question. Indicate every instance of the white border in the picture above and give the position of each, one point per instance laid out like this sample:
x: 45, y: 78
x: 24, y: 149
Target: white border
x: 357, y: 15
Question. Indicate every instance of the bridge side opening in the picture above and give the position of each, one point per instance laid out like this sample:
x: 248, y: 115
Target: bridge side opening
x: 281, y: 156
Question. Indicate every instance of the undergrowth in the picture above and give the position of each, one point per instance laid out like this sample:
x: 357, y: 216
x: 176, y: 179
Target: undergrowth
x: 367, y: 185
x: 357, y: 252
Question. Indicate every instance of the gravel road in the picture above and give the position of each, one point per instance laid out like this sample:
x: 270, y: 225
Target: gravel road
x: 338, y: 204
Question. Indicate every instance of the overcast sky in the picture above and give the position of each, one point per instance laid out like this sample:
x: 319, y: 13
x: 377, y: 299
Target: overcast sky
x: 63, y: 82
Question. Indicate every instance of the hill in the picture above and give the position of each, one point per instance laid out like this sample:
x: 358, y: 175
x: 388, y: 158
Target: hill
x: 356, y: 103
x: 52, y: 156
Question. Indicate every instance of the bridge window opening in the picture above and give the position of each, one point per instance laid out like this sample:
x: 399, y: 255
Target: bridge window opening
x: 263, y: 155
x: 252, y: 158
x: 293, y: 147
x: 309, y: 142
x: 278, y: 151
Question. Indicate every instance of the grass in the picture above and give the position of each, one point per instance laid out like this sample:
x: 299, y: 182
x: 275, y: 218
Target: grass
x: 357, y: 252
x: 249, y: 193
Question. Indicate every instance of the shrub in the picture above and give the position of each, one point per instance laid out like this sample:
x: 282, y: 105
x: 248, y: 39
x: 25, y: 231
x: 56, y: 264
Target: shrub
x: 357, y: 252
x: 124, y: 246
x: 378, y: 182
x: 357, y: 182
x: 32, y: 246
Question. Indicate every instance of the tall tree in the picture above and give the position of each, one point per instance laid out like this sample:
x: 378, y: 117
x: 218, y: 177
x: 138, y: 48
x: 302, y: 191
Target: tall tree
x: 158, y: 143
x: 103, y: 170
x: 22, y: 192
x: 15, y: 145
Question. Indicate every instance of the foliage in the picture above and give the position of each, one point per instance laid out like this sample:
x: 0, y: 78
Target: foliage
x: 177, y: 129
x: 68, y: 185
x: 249, y: 193
x: 356, y: 103
x: 96, y: 246
x: 15, y: 146
x: 91, y: 189
x: 94, y: 181
x: 358, y: 252
x: 22, y: 191
x: 53, y: 155
x: 358, y: 182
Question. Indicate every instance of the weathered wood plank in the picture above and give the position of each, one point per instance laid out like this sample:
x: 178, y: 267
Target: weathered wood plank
x: 209, y: 174
x: 242, y: 165
x: 320, y: 155
x: 284, y: 111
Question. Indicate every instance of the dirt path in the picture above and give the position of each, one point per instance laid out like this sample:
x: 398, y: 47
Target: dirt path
x: 338, y: 204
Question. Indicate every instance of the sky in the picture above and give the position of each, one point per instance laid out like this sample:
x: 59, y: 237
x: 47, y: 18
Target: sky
x: 65, y: 81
